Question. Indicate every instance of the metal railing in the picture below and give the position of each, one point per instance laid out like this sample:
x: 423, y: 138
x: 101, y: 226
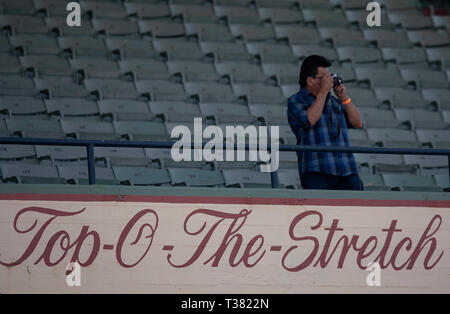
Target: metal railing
x: 90, y: 144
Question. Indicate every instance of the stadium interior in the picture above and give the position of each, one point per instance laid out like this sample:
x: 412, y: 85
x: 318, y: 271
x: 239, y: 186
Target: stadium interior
x: 134, y: 69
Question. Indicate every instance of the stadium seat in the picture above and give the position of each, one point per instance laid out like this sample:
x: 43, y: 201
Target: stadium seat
x: 400, y: 5
x: 210, y: 91
x: 58, y: 26
x: 59, y: 86
x: 378, y: 118
x: 287, y: 136
x: 16, y: 85
x: 141, y: 176
x: 421, y: 118
x: 446, y: 115
x: 405, y: 182
x: 438, y: 138
x: 274, y: 3
x: 46, y: 65
x: 297, y: 34
x: 89, y: 129
x: 16, y: 152
x: 358, y: 137
x: 237, y: 3
x: 147, y: 10
x: 393, y: 137
x: 405, y: 57
x: 429, y: 38
x: 285, y: 73
x: 242, y: 178
x: 193, y: 12
x: 175, y: 111
x: 304, y: 50
x: 25, y: 7
x: 343, y: 37
x: 141, y: 130
x: 271, y: 52
x: 427, y: 162
x: 270, y: 113
x: 358, y: 54
x: 194, y: 70
x: 125, y: 110
x: 30, y: 107
x: 162, y: 158
x: 442, y: 180
x: 387, y: 38
x: 34, y: 44
x: 82, y: 46
x: 35, y: 128
x: 111, y: 88
x: 103, y: 9
x: 121, y: 156
x: 209, y: 31
x: 379, y: 77
x: 51, y: 7
x: 67, y: 108
x: 237, y: 15
x: 290, y: 89
x: 241, y: 71
x: 59, y: 155
x: 410, y: 20
x: 226, y: 112
x: 161, y: 89
x: 131, y: 48
x: 288, y: 160
x: 30, y: 174
x: 143, y: 68
x: 325, y: 18
x: 116, y: 27
x: 94, y: 67
x: 440, y: 96
x: 259, y: 93
x: 225, y: 50
x: 441, y: 21
x: 373, y: 182
x: 253, y: 32
x: 178, y: 49
x: 280, y: 15
x: 23, y: 24
x: 161, y: 28
x: 80, y: 175
x: 401, y: 98
x: 362, y: 97
x: 289, y: 178
x: 195, y: 177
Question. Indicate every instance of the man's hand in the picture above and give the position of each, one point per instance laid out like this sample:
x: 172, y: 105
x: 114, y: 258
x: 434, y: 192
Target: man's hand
x: 326, y: 84
x: 341, y: 92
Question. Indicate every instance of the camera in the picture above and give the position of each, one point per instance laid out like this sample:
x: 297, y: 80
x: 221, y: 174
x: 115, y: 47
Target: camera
x: 337, y: 80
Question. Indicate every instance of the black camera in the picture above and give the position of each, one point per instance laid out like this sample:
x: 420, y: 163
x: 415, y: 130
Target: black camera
x: 337, y: 80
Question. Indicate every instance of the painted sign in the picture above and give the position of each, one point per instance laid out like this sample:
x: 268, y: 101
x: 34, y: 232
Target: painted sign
x: 167, y: 244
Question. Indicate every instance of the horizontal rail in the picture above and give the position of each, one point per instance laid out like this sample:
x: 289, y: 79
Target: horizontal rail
x: 90, y: 144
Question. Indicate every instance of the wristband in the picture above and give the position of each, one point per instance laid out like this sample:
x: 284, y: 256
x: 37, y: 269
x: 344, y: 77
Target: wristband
x: 347, y: 101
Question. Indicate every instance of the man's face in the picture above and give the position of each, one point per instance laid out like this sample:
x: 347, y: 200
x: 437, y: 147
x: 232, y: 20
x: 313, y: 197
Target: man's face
x: 314, y: 82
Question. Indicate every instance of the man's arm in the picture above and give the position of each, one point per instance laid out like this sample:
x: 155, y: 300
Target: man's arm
x: 316, y: 109
x: 352, y: 112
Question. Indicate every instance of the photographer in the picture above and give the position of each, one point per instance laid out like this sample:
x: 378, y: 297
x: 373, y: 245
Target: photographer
x: 318, y: 118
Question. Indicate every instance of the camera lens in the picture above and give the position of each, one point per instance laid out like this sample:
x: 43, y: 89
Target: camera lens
x: 337, y: 80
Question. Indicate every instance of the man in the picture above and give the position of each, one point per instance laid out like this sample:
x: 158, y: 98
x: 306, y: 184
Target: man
x: 318, y: 118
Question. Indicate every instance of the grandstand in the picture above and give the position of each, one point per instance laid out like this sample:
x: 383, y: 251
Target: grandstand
x: 136, y: 68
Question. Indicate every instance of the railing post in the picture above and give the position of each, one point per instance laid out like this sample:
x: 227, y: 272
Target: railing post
x: 449, y: 169
x: 274, y: 178
x: 91, y: 163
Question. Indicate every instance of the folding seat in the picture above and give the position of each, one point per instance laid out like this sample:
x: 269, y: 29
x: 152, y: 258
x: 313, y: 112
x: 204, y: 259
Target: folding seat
x: 362, y: 97
x: 80, y: 175
x: 115, y: 27
x: 325, y: 18
x: 241, y: 71
x: 142, y: 68
x: 280, y: 15
x: 440, y: 96
x: 421, y: 118
x: 147, y: 10
x: 378, y: 118
x: 446, y: 115
x: 401, y: 98
x: 95, y: 67
x: 162, y: 158
x: 30, y: 174
x: 58, y: 25
x: 387, y: 38
x: 16, y: 152
x: 122, y: 156
x: 410, y: 183
x: 226, y: 112
x: 358, y: 137
x: 111, y: 88
x: 442, y: 181
x: 103, y: 9
x: 286, y: 73
x: 253, y: 32
x: 51, y: 7
x: 270, y: 113
x: 410, y: 20
x: 358, y: 54
x: 46, y: 65
x: 92, y: 130
x: 196, y: 177
x: 438, y: 55
x: 61, y: 155
x: 429, y: 38
x: 161, y: 28
x: 289, y: 178
x: 24, y: 7
x: 193, y: 12
x: 22, y: 24
x: 393, y: 137
x: 343, y: 37
x: 242, y: 178
x: 194, y: 70
x: 17, y: 106
x: 178, y: 49
x: 161, y: 90
x: 34, y: 44
x: 274, y: 3
x: 209, y: 31
x: 441, y: 21
x: 130, y: 48
x: 16, y: 85
x: 226, y: 165
x: 72, y: 108
x: 271, y: 52
x: 427, y: 162
x: 175, y: 111
x: 125, y: 110
x: 82, y: 46
x: 297, y: 34
x: 405, y: 57
x: 225, y: 50
x: 35, y: 128
x: 316, y: 4
x: 142, y: 176
x: 438, y: 138
x: 380, y: 77
x: 258, y: 92
x: 401, y: 5
x: 425, y: 78
x: 142, y: 130
x: 304, y: 50
x: 379, y: 163
x: 59, y: 86
x: 373, y: 182
x: 237, y: 15
x: 210, y: 91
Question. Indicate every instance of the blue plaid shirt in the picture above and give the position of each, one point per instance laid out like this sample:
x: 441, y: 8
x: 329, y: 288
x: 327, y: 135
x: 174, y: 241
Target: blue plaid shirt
x: 338, y: 164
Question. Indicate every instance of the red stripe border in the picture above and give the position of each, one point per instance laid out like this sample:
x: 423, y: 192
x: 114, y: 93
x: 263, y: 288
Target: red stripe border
x: 223, y: 200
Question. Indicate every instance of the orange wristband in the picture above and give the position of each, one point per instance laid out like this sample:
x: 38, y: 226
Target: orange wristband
x: 347, y: 101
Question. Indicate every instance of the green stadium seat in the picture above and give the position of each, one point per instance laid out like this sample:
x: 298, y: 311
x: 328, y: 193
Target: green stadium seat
x: 236, y: 15
x: 246, y: 178
x: 16, y: 85
x: 80, y: 175
x: 82, y: 46
x: 226, y: 50
x: 116, y: 27
x: 72, y: 108
x: 421, y: 118
x: 35, y: 128
x: 58, y: 25
x: 193, y: 12
x: 59, y: 155
x: 209, y: 31
x: 297, y: 35
x: 35, y: 44
x: 226, y: 112
x: 161, y: 28
x: 142, y: 130
x: 83, y: 129
x: 51, y: 7
x: 46, y: 65
x: 59, y: 86
x: 373, y: 182
x: 196, y: 177
x: 125, y: 110
x: 393, y: 137
x: 280, y: 15
x: 289, y: 178
x: 161, y: 89
x: 241, y: 71
x: 253, y: 32
x: 94, y: 67
x: 111, y: 88
x: 131, y: 48
x: 172, y: 111
x: 442, y: 180
x: 121, y: 156
x: 103, y: 9
x: 30, y: 174
x: 24, y: 7
x: 410, y: 183
x: 304, y: 50
x: 147, y: 10
x: 23, y: 24
x: 143, y: 68
x: 141, y: 176
x: 193, y: 70
x: 21, y: 107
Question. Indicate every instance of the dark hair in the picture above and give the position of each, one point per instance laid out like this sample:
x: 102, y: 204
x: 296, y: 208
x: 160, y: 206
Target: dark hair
x: 310, y: 67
